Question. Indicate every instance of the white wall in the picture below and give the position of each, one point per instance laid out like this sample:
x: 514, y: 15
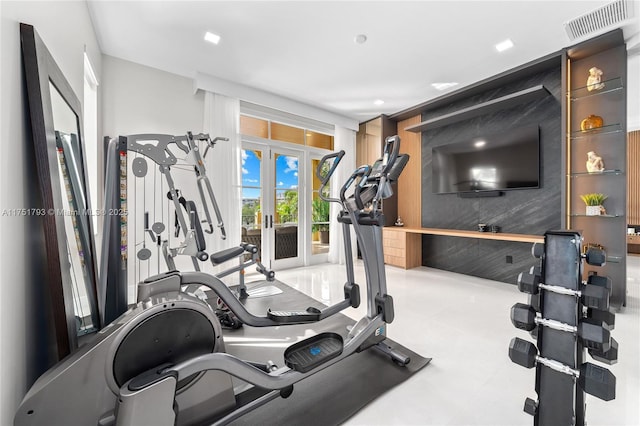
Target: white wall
x: 140, y: 99
x: 22, y: 355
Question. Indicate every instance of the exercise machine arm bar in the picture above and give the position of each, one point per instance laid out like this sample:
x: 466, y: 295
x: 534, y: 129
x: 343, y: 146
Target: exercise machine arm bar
x: 203, y: 179
x: 211, y: 143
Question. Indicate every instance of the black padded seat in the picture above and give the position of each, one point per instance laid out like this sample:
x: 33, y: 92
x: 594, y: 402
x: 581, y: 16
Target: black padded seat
x: 224, y: 255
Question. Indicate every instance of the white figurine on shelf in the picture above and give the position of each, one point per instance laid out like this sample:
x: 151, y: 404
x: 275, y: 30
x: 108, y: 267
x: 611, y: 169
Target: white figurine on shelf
x: 399, y: 222
x: 594, y: 82
x: 594, y: 162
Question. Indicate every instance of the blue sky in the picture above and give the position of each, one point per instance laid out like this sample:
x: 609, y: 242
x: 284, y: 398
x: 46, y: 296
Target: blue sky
x: 286, y: 173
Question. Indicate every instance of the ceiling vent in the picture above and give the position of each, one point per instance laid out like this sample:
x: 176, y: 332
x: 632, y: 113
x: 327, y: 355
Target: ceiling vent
x: 605, y: 17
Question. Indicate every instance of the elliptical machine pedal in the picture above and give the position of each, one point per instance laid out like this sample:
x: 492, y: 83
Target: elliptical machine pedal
x: 308, y: 354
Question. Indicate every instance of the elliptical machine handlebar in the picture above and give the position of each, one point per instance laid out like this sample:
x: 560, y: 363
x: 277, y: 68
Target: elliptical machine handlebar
x: 325, y: 179
x: 361, y: 172
x: 390, y: 153
x: 338, y: 157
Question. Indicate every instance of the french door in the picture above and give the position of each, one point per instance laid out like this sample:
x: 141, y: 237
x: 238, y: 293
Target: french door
x: 272, y: 209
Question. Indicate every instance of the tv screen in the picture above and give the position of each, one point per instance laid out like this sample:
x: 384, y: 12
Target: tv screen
x: 509, y: 160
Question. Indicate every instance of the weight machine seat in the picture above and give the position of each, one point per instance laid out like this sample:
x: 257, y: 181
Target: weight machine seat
x: 168, y: 337
x: 224, y: 255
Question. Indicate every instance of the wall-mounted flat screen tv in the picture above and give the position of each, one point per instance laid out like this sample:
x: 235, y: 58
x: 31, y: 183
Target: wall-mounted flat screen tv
x: 496, y: 162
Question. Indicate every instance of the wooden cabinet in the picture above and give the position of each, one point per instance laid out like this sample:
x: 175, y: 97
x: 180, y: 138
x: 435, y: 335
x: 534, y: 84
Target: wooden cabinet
x: 401, y: 248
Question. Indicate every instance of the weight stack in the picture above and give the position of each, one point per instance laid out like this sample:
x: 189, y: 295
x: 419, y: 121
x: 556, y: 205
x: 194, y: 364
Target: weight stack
x: 563, y: 298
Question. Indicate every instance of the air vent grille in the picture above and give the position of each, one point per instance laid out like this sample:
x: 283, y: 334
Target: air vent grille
x: 599, y: 19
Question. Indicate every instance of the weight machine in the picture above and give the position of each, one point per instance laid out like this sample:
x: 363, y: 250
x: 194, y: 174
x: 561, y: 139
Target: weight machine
x: 161, y: 150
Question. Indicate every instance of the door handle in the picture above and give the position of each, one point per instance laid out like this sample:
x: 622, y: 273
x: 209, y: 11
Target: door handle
x: 266, y: 221
x: 271, y: 221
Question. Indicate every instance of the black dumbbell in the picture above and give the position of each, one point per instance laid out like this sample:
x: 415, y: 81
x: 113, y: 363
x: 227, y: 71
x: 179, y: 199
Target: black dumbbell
x: 609, y: 356
x: 591, y: 296
x: 608, y: 318
x: 530, y: 406
x: 593, y: 379
x: 592, y: 334
x: 595, y: 256
x: 599, y: 280
x: 534, y: 299
x: 537, y: 250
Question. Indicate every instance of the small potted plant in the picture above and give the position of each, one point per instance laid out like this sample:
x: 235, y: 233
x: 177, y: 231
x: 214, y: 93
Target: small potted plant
x: 594, y: 203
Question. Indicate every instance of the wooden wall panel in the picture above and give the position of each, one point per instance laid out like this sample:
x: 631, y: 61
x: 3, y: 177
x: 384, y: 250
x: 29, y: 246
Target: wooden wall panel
x: 633, y: 176
x: 410, y: 182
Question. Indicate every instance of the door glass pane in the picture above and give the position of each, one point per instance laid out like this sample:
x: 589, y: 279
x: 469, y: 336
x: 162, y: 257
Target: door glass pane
x: 285, y: 220
x: 319, y: 214
x: 251, y: 201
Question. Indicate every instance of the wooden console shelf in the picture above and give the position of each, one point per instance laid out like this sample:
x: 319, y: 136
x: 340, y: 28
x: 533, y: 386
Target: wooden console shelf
x: 403, y: 246
x: 520, y: 238
x: 523, y: 96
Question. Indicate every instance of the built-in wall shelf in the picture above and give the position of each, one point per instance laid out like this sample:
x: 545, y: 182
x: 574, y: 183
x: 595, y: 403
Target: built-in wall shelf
x: 612, y: 85
x: 600, y: 173
x: 604, y: 130
x: 604, y: 216
x: 504, y: 102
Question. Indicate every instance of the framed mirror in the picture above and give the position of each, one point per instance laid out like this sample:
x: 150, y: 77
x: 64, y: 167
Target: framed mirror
x: 56, y: 130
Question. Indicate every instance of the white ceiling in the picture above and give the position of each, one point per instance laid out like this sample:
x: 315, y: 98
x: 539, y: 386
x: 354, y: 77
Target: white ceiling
x: 305, y: 50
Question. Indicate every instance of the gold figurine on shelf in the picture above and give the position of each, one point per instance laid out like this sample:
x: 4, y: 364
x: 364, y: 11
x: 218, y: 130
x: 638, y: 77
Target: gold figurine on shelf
x: 591, y: 122
x: 594, y: 82
x: 594, y: 162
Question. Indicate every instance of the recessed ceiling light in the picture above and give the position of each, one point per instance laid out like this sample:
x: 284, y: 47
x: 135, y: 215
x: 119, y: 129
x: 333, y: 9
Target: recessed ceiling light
x: 479, y: 144
x: 443, y: 86
x: 378, y: 102
x: 212, y: 38
x: 504, y: 45
x: 360, y: 38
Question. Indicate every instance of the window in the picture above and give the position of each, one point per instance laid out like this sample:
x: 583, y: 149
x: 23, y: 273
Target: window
x: 268, y: 129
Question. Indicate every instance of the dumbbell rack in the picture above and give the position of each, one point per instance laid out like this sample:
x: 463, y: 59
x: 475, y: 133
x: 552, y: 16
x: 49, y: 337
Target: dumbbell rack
x: 561, y: 400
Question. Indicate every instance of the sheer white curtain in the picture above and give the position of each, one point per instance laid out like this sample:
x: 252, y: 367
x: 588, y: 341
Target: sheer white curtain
x: 222, y: 118
x: 343, y: 139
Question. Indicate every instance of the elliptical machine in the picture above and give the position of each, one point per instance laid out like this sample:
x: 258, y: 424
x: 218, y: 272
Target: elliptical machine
x: 163, y: 361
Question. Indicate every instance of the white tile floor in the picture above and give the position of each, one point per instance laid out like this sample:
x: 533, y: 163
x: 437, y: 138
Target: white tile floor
x: 462, y: 322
